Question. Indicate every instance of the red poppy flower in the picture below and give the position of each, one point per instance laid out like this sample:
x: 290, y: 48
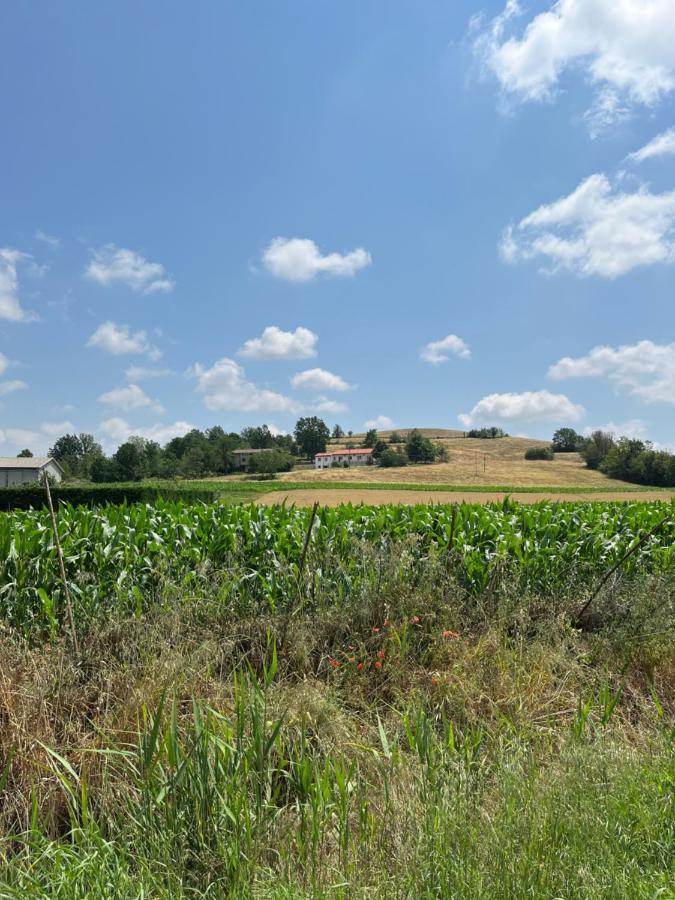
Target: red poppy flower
x: 377, y: 664
x: 334, y: 662
x: 360, y: 666
x: 376, y: 630
x: 380, y: 654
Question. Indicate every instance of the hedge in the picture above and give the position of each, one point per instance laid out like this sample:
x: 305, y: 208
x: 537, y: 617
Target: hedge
x: 33, y: 495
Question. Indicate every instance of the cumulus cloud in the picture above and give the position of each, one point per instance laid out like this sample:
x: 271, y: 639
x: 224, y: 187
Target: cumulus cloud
x: 381, y: 423
x: 224, y: 387
x: 597, y: 230
x: 646, y: 369
x: 37, y: 441
x: 319, y: 380
x: 119, y: 340
x: 299, y: 259
x: 12, y: 386
x: 662, y: 145
x: 129, y: 397
x: 10, y: 307
x: 277, y: 344
x: 626, y: 51
x: 530, y: 406
x: 111, y: 264
x: 633, y: 428
x: 437, y: 352
x: 119, y: 430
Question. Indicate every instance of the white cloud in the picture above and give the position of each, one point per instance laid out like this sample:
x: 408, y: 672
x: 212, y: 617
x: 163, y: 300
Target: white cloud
x: 11, y: 386
x: 437, y: 352
x: 138, y: 373
x: 129, y: 397
x: 277, y: 344
x: 20, y: 437
x: 319, y: 380
x: 4, y: 363
x: 56, y: 429
x: 119, y: 340
x: 382, y: 423
x: 10, y: 307
x: 53, y: 242
x: 624, y: 48
x: 326, y: 405
x: 662, y: 145
x: 112, y: 264
x: 596, y: 230
x: 37, y: 441
x: 119, y: 430
x: 299, y: 259
x: 530, y: 406
x: 633, y: 428
x: 225, y: 387
x: 646, y: 370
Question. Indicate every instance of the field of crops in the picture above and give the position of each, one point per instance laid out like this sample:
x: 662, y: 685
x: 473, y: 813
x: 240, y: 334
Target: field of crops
x: 117, y: 557
x: 356, y: 702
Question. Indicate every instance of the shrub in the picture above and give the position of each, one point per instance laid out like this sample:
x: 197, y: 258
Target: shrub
x: 393, y: 458
x: 539, y: 453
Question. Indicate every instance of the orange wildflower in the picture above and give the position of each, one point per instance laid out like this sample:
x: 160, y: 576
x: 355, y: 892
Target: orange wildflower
x: 360, y: 666
x: 377, y: 664
x: 380, y: 654
x: 452, y: 634
x: 434, y: 680
x: 334, y: 662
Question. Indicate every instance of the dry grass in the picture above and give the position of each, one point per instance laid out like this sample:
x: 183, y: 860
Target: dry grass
x: 473, y: 461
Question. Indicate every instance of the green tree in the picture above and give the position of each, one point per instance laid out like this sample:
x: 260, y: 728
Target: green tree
x: 269, y: 462
x: 23, y: 453
x: 371, y: 438
x: 311, y: 435
x: 337, y: 432
x: 419, y: 449
x: 391, y: 458
x: 596, y: 448
x: 566, y: 440
x: 395, y: 438
x: 258, y: 438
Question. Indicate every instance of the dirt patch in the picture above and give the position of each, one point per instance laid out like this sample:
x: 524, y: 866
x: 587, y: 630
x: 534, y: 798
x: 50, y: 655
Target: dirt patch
x: 328, y: 497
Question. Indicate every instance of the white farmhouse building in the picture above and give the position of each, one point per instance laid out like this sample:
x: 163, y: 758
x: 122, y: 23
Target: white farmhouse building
x: 360, y: 457
x: 20, y: 469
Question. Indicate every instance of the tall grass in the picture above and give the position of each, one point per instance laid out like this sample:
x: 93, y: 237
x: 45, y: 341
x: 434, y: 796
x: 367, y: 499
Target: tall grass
x: 382, y: 721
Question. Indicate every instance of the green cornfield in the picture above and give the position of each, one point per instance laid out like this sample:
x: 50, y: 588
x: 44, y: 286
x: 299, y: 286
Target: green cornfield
x: 116, y: 557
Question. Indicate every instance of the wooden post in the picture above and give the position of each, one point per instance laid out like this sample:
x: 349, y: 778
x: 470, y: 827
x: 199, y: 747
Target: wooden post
x: 62, y: 568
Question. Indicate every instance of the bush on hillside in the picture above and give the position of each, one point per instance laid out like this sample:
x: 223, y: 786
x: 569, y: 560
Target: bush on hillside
x: 392, y: 458
x: 539, y: 453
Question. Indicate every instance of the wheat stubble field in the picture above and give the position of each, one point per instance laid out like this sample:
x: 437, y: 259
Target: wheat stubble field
x: 472, y: 461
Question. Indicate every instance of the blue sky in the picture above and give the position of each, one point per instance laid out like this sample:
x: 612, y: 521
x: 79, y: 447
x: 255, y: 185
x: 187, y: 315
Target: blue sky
x: 434, y: 214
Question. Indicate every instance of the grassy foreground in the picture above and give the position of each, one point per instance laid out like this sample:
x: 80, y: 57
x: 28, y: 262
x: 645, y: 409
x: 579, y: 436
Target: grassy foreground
x: 411, y: 737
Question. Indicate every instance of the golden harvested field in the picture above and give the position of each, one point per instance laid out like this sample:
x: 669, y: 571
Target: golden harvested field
x: 356, y: 496
x: 473, y: 461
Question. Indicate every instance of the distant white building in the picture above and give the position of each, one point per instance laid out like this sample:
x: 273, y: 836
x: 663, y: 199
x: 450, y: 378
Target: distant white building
x: 350, y: 457
x: 20, y: 469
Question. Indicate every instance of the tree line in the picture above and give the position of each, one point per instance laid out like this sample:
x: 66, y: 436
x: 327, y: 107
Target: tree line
x: 629, y: 459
